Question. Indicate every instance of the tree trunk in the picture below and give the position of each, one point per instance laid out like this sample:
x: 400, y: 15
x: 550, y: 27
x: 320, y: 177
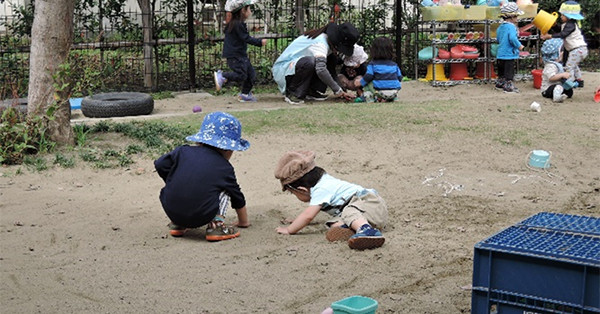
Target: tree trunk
x: 51, y: 39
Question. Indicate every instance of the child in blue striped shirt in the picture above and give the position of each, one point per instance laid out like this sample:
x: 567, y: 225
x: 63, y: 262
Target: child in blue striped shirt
x: 382, y: 82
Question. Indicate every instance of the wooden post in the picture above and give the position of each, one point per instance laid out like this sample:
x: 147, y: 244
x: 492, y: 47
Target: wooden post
x: 191, y: 45
x: 300, y: 16
x: 399, y: 33
x: 147, y: 32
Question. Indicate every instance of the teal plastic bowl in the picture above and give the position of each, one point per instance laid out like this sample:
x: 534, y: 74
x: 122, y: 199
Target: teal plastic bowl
x: 355, y: 305
x: 539, y: 159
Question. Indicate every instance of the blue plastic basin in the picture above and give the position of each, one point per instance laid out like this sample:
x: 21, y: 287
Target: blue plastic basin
x: 75, y: 103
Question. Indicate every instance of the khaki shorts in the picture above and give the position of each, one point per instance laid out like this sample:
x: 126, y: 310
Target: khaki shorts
x: 369, y: 206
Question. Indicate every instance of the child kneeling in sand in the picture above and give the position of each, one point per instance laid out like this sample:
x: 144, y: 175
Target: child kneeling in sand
x: 356, y: 211
x: 200, y: 182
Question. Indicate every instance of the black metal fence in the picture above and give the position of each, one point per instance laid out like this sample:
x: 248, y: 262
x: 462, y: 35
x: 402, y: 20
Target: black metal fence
x: 186, y: 43
x: 107, y: 53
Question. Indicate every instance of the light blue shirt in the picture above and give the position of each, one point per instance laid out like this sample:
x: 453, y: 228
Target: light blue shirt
x: 301, y: 47
x: 330, y: 191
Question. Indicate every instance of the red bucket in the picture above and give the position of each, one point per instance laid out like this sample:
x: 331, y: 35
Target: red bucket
x: 537, y: 78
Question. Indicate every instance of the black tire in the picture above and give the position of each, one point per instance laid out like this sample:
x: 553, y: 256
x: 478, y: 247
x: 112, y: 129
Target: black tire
x: 121, y: 104
x: 19, y: 103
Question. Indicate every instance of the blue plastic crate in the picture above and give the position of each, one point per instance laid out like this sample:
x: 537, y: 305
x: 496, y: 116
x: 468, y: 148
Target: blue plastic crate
x: 564, y: 222
x: 548, y: 263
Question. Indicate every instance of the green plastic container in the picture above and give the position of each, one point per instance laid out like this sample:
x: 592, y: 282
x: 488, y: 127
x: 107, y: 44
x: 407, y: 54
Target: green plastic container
x: 355, y: 305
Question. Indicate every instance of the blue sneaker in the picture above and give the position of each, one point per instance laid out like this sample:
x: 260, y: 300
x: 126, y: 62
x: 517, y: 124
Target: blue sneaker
x: 219, y: 80
x: 246, y: 97
x: 366, y: 238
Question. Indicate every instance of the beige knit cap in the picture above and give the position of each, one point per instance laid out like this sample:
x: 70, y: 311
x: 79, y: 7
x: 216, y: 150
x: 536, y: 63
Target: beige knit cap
x: 293, y: 165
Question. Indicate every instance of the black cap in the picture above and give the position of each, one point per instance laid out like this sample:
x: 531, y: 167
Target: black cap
x: 343, y: 37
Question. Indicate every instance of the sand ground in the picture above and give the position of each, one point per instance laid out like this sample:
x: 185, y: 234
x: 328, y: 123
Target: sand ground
x: 85, y: 240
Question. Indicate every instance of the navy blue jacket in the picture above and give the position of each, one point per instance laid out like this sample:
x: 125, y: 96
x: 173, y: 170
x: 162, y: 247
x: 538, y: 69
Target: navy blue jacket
x: 194, y: 178
x: 236, y: 42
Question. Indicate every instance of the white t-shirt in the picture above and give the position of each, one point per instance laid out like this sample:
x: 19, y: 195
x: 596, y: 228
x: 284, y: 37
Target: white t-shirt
x: 550, y: 69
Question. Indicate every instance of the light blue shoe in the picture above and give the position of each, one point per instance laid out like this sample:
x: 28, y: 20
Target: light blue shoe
x: 246, y: 97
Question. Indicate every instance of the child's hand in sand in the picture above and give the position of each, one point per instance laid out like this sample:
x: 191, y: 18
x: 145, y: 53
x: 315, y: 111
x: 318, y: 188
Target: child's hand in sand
x: 345, y: 96
x: 286, y: 221
x: 282, y: 230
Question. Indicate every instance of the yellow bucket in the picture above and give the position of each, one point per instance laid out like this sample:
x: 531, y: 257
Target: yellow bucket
x: 544, y: 21
x: 439, y: 72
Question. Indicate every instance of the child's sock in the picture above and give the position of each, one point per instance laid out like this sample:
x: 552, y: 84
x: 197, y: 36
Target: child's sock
x: 363, y: 228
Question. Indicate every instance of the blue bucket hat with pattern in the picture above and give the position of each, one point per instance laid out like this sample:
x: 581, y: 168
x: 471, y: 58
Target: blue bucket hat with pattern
x: 551, y: 49
x: 221, y: 130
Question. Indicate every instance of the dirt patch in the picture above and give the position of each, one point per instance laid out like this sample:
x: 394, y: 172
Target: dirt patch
x: 88, y: 240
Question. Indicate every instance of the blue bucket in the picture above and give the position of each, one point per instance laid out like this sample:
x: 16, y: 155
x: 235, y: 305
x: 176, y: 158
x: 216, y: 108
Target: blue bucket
x: 539, y: 159
x: 355, y: 305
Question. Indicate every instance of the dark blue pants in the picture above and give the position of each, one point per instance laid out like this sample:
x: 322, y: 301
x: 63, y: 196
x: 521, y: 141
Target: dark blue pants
x: 506, y: 69
x: 242, y: 72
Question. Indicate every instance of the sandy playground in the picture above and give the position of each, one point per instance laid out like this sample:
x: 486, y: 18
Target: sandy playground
x: 85, y: 240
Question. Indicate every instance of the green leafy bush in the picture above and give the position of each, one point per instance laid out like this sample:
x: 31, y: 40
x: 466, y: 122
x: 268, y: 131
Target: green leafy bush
x: 21, y: 135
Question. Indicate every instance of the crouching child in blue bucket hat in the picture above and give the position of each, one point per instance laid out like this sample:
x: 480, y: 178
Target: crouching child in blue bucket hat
x: 355, y: 212
x: 556, y: 82
x: 200, y: 182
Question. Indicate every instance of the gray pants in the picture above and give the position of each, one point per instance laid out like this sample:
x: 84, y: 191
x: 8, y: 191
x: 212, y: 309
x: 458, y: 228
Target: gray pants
x: 575, y: 57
